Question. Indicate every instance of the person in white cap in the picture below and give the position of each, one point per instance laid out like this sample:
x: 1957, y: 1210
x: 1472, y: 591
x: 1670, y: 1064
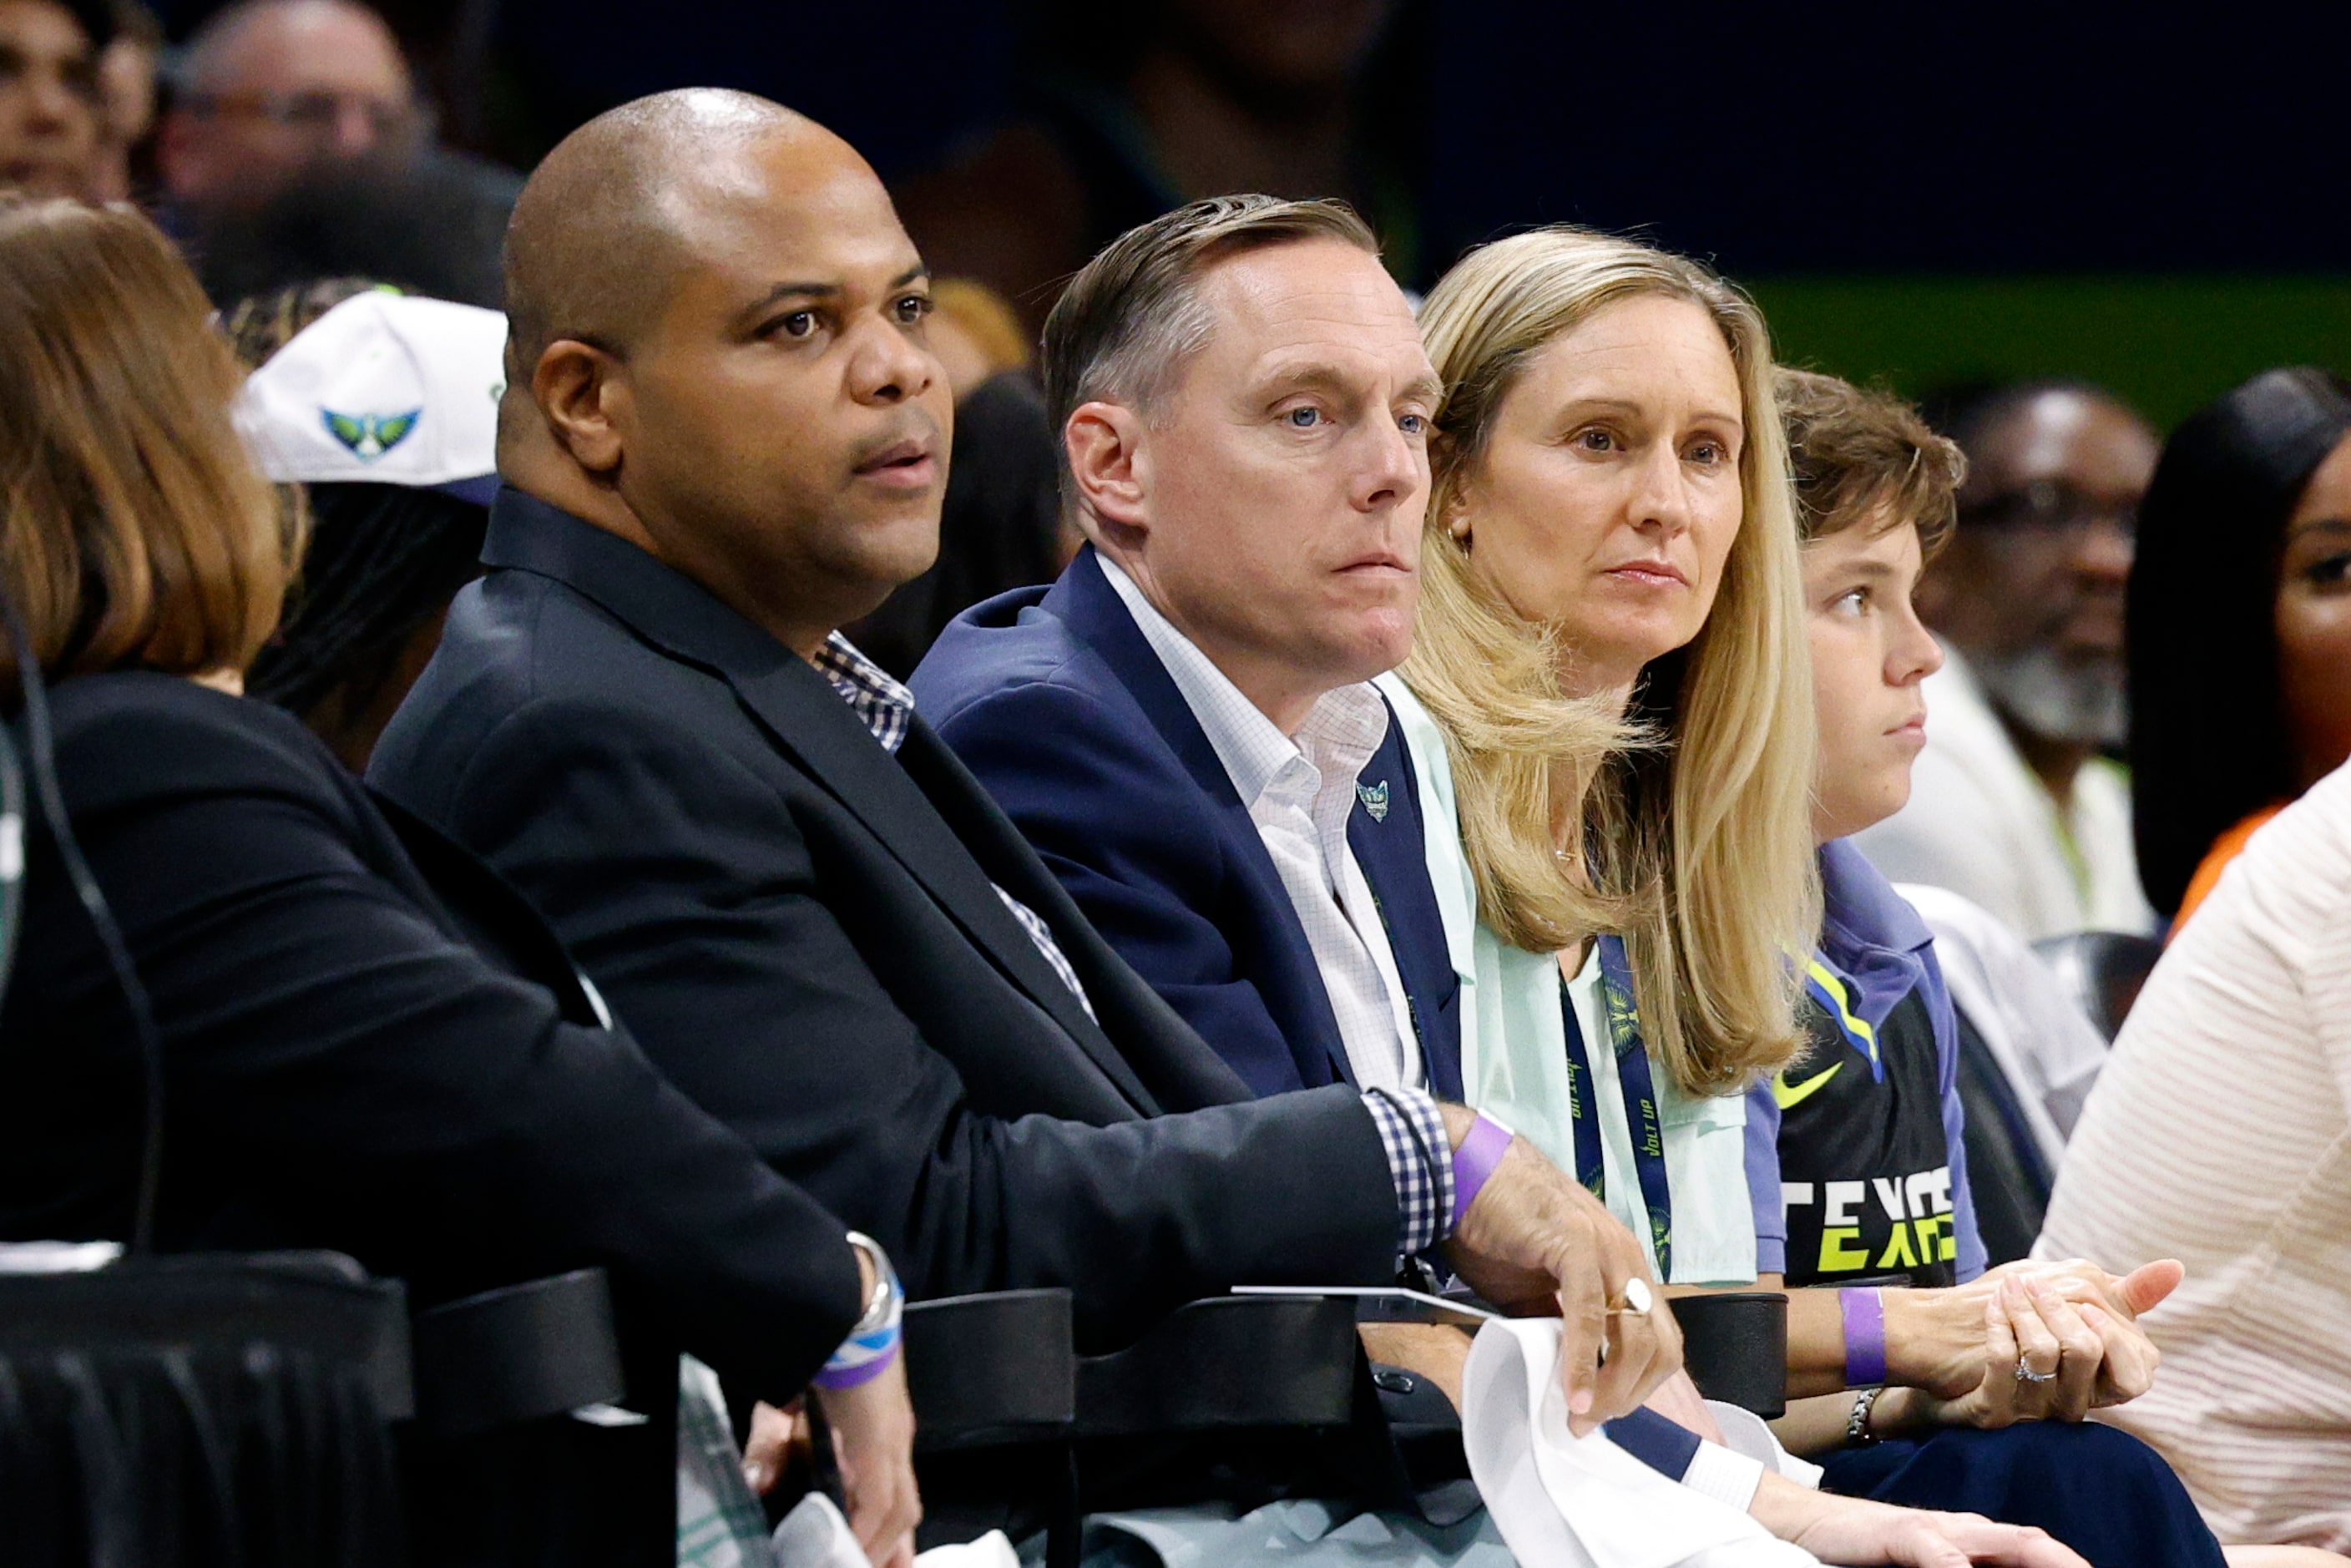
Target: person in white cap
x: 384, y: 408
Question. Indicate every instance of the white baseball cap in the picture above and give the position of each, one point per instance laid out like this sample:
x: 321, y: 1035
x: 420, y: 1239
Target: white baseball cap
x: 384, y: 389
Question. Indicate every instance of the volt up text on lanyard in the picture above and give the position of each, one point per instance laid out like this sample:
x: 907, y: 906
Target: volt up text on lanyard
x: 1642, y: 1118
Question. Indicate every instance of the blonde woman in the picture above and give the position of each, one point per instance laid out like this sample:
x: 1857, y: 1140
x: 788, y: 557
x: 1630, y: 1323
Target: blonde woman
x: 1610, y: 464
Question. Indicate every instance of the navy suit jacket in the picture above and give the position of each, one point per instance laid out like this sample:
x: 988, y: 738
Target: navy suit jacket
x: 799, y: 930
x: 1057, y: 703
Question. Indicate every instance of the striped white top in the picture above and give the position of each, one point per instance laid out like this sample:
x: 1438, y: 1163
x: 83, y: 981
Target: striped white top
x: 2218, y: 1134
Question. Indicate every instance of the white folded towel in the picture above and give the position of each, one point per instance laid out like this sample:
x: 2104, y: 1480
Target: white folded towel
x: 1563, y: 1501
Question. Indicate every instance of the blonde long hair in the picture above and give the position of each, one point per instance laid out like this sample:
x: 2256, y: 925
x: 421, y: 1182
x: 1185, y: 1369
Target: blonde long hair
x: 1688, y: 822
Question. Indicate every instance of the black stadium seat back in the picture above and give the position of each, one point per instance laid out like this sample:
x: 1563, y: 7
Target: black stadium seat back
x: 991, y: 1369
x: 1227, y: 1362
x: 519, y: 1353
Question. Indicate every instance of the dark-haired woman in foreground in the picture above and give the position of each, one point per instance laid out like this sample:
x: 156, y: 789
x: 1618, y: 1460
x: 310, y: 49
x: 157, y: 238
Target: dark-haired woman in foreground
x: 369, y: 1044
x: 2239, y: 630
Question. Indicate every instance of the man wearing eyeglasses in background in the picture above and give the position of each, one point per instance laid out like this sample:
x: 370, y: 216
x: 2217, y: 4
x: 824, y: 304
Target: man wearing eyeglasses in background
x: 268, y: 89
x: 2014, y: 803
x: 296, y: 146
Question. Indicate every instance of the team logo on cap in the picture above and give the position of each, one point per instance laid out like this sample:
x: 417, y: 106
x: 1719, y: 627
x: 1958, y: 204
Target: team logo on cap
x: 370, y: 436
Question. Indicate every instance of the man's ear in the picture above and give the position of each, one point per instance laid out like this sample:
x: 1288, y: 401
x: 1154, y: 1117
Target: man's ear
x: 1104, y: 445
x: 581, y: 393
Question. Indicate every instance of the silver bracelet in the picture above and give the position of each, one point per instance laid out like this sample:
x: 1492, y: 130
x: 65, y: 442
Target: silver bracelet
x: 885, y: 1285
x: 1857, y: 1434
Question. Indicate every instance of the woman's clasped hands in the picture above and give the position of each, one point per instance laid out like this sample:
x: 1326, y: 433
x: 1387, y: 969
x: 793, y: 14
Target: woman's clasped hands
x: 2031, y: 1342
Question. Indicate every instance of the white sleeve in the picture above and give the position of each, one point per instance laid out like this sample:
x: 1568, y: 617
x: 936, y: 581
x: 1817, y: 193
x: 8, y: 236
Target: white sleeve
x: 1750, y: 1435
x: 2049, y: 1051
x: 1723, y: 1474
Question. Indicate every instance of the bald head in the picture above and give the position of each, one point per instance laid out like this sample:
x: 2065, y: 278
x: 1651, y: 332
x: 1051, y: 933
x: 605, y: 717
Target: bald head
x: 625, y: 205
x: 716, y: 349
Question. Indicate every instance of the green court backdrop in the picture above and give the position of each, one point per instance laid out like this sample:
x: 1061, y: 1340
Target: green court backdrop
x: 2166, y: 344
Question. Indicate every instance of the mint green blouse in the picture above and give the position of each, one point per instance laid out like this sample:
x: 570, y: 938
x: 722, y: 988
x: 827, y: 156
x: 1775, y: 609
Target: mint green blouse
x: 1514, y: 1052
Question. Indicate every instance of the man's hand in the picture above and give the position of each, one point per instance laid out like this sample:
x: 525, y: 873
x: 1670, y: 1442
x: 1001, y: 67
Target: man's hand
x: 778, y: 1445
x: 1535, y: 1243
x: 1849, y: 1529
x: 874, y: 1439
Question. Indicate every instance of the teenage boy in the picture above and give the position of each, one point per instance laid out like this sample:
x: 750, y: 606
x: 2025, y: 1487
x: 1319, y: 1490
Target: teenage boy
x: 1855, y: 1152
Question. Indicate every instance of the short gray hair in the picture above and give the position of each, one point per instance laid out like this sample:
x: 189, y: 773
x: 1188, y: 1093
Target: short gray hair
x: 1134, y: 316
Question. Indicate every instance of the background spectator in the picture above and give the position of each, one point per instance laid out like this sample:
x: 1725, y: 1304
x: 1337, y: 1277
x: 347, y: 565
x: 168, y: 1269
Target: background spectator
x: 2240, y: 625
x: 1118, y: 119
x: 268, y: 89
x: 296, y: 146
x: 2013, y: 802
x: 49, y: 115
x: 389, y: 543
x: 126, y: 68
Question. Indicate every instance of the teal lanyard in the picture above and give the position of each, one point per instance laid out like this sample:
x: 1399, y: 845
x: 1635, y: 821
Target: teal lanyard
x: 1641, y: 1116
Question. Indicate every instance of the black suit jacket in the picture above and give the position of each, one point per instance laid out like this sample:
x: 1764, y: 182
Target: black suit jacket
x: 1057, y: 702
x: 802, y: 931
x: 366, y: 1051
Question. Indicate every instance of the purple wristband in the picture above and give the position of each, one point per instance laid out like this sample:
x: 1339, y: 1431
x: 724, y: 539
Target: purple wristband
x: 863, y: 1372
x: 1474, y: 1160
x: 1864, y: 1338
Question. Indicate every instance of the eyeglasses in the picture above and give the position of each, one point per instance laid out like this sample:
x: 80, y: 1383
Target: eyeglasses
x: 318, y: 114
x: 2050, y: 508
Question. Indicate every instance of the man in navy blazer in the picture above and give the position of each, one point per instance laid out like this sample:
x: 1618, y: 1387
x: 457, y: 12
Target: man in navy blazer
x: 1182, y: 724
x: 1053, y: 698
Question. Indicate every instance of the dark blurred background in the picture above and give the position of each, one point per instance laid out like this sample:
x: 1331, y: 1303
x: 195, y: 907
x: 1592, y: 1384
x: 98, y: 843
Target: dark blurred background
x: 2153, y: 200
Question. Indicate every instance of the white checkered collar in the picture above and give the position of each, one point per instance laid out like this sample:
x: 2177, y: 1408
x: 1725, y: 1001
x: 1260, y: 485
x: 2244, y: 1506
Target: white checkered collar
x: 881, y: 702
x: 1341, y: 732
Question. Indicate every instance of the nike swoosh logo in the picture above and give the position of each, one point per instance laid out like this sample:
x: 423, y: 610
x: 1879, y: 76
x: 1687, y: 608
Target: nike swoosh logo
x: 1788, y: 1096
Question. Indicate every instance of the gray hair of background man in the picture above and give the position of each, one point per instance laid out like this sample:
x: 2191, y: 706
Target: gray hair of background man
x: 1129, y: 321
x: 201, y: 60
